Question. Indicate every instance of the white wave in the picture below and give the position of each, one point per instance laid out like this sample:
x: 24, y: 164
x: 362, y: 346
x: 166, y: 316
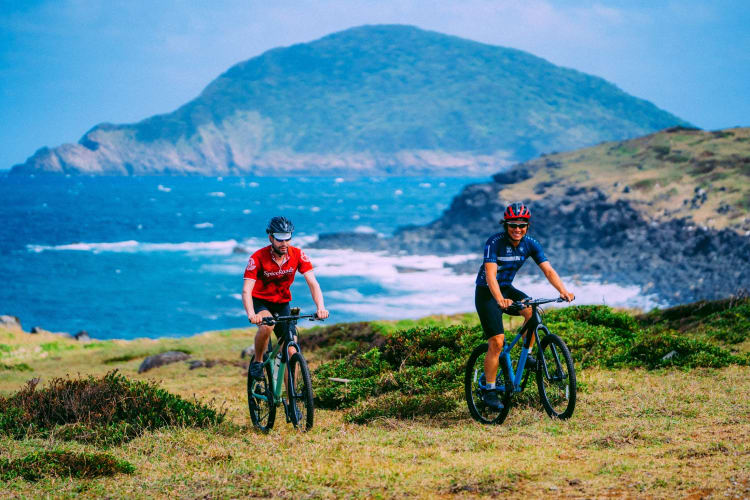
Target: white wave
x: 203, y: 225
x: 364, y: 230
x: 417, y: 285
x: 339, y: 180
x: 247, y: 211
x: 163, y: 189
x: 314, y: 209
x: 425, y: 185
x: 217, y: 194
x: 398, y: 192
x: 132, y: 246
x: 253, y: 184
x: 118, y: 246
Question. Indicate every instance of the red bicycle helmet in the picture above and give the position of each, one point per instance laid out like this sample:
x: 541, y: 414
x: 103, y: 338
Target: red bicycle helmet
x: 516, y: 210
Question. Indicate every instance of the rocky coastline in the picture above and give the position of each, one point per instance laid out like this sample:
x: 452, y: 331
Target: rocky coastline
x: 585, y: 234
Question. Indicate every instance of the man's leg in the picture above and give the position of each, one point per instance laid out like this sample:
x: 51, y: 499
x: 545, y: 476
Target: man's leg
x: 261, y: 341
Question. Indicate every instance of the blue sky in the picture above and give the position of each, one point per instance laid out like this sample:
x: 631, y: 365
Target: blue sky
x: 66, y: 65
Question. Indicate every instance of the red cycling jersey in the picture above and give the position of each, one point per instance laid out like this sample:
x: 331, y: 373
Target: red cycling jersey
x: 273, y: 280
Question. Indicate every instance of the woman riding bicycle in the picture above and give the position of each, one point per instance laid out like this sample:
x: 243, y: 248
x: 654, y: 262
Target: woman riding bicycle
x: 504, y: 254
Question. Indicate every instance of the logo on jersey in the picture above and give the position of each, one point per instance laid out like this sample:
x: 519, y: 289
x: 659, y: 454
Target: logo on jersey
x: 274, y: 274
x: 251, y: 264
x: 304, y: 256
x: 508, y: 250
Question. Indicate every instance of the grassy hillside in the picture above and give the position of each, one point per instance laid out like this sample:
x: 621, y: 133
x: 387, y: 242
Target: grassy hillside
x: 657, y: 432
x: 676, y: 173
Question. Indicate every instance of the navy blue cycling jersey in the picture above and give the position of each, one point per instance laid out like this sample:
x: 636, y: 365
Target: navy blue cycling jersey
x: 508, y: 258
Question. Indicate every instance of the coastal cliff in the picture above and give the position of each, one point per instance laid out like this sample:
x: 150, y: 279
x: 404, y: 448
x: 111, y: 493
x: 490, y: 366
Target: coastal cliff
x: 667, y: 212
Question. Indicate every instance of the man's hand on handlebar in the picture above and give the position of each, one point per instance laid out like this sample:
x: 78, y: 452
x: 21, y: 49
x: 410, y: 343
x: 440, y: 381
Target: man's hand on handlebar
x: 322, y: 313
x: 567, y: 296
x: 258, y: 318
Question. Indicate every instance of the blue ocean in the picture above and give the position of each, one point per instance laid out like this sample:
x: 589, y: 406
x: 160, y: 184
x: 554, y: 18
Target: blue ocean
x: 124, y: 257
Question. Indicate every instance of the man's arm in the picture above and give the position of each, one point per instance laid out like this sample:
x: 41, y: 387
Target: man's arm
x: 555, y: 280
x: 317, y: 294
x: 490, y: 270
x: 247, y: 301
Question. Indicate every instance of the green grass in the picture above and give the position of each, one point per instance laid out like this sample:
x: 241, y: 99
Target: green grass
x: 63, y: 464
x: 637, y: 432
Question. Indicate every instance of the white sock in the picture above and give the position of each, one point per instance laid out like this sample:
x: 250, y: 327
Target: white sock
x: 491, y: 386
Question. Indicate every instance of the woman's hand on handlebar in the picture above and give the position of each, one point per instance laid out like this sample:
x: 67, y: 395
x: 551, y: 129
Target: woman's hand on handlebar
x: 504, y: 303
x: 322, y: 313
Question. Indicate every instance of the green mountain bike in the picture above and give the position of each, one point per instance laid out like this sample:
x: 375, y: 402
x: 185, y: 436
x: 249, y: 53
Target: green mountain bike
x: 265, y: 395
x: 555, y: 373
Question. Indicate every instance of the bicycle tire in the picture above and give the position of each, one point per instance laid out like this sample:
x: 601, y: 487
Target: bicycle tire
x: 262, y: 412
x: 473, y: 373
x: 300, y: 393
x: 556, y: 384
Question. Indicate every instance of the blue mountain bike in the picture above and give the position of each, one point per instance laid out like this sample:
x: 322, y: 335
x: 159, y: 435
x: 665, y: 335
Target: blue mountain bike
x: 555, y: 373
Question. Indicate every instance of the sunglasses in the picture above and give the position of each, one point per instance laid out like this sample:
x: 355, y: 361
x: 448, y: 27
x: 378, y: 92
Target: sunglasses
x: 513, y: 225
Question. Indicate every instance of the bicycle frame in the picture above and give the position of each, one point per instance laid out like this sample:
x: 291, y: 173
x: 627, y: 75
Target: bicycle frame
x: 277, y: 379
x: 533, y: 325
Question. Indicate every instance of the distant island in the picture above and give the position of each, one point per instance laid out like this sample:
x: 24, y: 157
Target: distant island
x: 383, y: 100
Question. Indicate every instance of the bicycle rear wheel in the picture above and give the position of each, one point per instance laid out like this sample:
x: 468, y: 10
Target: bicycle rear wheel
x: 474, y: 388
x: 556, y: 377
x: 260, y: 400
x: 300, y: 393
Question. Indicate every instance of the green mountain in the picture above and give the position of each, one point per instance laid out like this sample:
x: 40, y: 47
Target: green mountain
x: 372, y: 99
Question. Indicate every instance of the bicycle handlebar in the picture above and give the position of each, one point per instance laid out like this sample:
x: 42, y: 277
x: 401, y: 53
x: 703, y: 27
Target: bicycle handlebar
x: 535, y: 302
x: 270, y: 321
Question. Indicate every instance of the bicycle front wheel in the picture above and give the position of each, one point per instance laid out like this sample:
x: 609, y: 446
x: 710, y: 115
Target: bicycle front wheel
x: 299, y: 390
x: 475, y: 389
x: 556, y: 377
x: 260, y: 400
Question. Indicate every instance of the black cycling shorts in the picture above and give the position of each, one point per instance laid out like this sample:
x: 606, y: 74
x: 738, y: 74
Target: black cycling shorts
x: 490, y: 314
x: 280, y: 308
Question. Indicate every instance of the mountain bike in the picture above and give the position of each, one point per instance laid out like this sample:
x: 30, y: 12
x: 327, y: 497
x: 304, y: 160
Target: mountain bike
x: 264, y: 395
x: 555, y: 373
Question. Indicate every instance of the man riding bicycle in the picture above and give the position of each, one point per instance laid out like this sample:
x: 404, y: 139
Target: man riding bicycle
x: 504, y: 254
x: 268, y: 276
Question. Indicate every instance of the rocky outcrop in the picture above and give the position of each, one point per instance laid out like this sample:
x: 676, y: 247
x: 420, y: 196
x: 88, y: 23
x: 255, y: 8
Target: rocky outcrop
x: 10, y: 322
x: 162, y: 359
x: 586, y: 234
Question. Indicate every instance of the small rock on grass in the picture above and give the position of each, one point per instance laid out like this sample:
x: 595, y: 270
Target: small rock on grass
x: 162, y: 359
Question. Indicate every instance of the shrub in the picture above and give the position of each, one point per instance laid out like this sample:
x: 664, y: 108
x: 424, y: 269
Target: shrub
x: 726, y: 320
x: 107, y: 410
x: 60, y: 463
x: 593, y: 333
x: 19, y: 367
x: 418, y: 364
x: 419, y: 371
x: 402, y: 406
x: 662, y: 349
